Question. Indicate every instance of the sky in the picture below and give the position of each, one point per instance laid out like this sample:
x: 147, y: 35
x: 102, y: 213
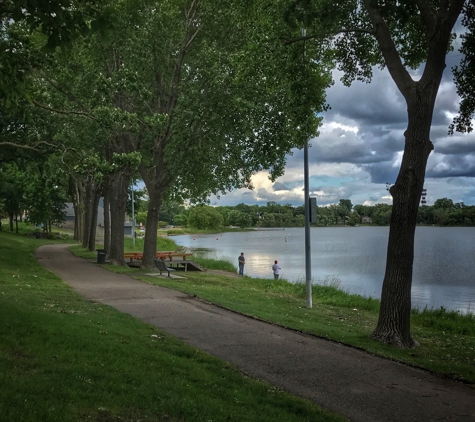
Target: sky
x: 360, y: 149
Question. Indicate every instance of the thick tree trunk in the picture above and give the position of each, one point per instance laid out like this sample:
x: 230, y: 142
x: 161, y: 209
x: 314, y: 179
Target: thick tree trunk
x: 92, y: 231
x: 107, y: 224
x: 157, y: 182
x: 393, y: 326
x: 76, y: 190
x: 150, y: 241
x: 394, y: 317
x: 119, y: 182
x: 88, y: 207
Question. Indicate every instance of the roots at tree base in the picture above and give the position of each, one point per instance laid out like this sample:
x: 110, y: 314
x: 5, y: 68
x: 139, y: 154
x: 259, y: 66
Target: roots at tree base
x: 394, y: 339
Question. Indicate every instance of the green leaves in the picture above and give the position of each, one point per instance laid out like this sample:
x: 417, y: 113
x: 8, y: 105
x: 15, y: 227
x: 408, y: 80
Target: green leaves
x: 464, y: 74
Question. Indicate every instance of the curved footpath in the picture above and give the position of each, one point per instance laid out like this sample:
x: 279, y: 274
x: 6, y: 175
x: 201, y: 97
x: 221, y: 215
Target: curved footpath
x: 336, y: 377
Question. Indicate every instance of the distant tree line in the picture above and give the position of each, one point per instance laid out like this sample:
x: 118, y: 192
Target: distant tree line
x: 444, y: 212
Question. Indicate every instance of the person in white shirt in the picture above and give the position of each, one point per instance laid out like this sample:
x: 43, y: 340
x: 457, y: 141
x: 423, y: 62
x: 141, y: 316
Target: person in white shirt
x: 276, y: 270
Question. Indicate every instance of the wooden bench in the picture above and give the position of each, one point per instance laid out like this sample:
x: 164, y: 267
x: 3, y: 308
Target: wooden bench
x: 133, y: 255
x: 170, y: 255
x: 163, y: 267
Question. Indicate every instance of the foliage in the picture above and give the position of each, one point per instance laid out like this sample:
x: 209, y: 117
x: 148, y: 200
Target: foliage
x: 464, y: 74
x: 443, y: 212
x: 204, y: 217
x: 163, y: 244
x: 61, y: 22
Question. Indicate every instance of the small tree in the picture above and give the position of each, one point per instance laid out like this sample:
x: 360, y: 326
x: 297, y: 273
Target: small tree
x: 204, y: 217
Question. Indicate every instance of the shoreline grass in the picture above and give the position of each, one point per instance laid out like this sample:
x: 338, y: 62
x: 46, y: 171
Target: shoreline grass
x: 65, y: 359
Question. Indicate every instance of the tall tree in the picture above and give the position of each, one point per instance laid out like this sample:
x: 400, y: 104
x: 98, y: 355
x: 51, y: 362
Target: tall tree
x: 398, y: 35
x: 205, y: 108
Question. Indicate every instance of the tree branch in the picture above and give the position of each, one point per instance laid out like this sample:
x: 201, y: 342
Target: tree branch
x: 14, y: 145
x: 54, y: 110
x: 382, y: 33
x: 34, y: 147
x: 428, y: 16
x: 321, y: 36
x: 449, y: 11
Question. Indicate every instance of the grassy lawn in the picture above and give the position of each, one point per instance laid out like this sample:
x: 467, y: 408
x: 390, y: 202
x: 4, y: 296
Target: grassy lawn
x: 63, y: 359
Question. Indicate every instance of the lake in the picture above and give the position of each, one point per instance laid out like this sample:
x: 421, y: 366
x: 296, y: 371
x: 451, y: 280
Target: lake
x: 444, y: 269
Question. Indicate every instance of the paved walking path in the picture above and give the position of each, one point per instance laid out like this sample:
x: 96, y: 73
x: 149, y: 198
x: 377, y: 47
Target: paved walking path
x: 339, y: 378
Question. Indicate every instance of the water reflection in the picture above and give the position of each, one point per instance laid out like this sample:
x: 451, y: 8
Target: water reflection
x: 444, y: 274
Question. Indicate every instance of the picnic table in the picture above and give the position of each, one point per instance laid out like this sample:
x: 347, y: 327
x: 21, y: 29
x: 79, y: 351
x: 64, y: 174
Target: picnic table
x: 162, y: 255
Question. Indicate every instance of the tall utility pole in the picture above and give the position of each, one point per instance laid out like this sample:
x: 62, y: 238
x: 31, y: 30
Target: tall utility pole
x: 133, y: 217
x: 308, y: 257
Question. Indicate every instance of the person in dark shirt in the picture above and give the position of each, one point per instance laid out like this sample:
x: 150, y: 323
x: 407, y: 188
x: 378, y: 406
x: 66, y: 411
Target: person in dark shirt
x: 241, y: 262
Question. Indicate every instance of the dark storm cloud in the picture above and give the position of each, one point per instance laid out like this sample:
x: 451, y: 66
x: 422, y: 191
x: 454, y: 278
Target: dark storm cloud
x: 455, y: 146
x: 345, y: 146
x: 279, y: 187
x: 379, y: 113
x: 377, y: 103
x: 452, y: 166
x: 382, y: 173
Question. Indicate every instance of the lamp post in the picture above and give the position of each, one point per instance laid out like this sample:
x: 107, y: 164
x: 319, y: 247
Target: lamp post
x: 308, y: 256
x: 133, y: 217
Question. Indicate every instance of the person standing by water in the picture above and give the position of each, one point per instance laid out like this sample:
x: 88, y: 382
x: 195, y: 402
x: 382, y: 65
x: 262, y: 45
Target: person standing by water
x: 241, y: 262
x: 276, y: 270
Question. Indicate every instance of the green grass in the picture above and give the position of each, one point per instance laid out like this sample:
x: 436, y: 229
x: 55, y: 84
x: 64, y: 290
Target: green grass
x: 163, y: 244
x: 64, y: 359
x: 27, y: 229
x: 447, y: 339
x: 223, y: 263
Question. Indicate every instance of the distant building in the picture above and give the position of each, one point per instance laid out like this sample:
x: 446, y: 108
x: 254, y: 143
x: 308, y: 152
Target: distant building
x: 70, y: 218
x: 366, y: 220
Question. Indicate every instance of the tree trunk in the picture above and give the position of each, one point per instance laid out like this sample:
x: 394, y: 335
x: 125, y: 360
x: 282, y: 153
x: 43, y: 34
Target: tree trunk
x: 107, y: 228
x: 76, y: 190
x: 157, y: 182
x: 88, y: 208
x: 119, y: 183
x: 92, y: 232
x: 393, y: 326
x: 150, y: 241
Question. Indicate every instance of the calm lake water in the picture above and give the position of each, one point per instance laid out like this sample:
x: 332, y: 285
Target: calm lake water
x: 444, y: 268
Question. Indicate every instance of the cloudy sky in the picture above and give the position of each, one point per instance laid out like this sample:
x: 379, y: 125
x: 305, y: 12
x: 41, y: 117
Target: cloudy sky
x: 360, y: 147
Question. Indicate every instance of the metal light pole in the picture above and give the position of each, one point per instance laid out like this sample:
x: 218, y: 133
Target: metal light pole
x: 308, y: 257
x: 133, y: 217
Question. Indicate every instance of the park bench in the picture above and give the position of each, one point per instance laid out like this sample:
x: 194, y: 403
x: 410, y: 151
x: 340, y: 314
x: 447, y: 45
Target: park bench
x: 163, y: 267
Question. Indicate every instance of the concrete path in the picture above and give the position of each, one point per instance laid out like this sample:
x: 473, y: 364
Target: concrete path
x: 336, y: 377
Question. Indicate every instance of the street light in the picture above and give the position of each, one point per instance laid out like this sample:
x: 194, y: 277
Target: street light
x: 308, y: 257
x: 133, y: 217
